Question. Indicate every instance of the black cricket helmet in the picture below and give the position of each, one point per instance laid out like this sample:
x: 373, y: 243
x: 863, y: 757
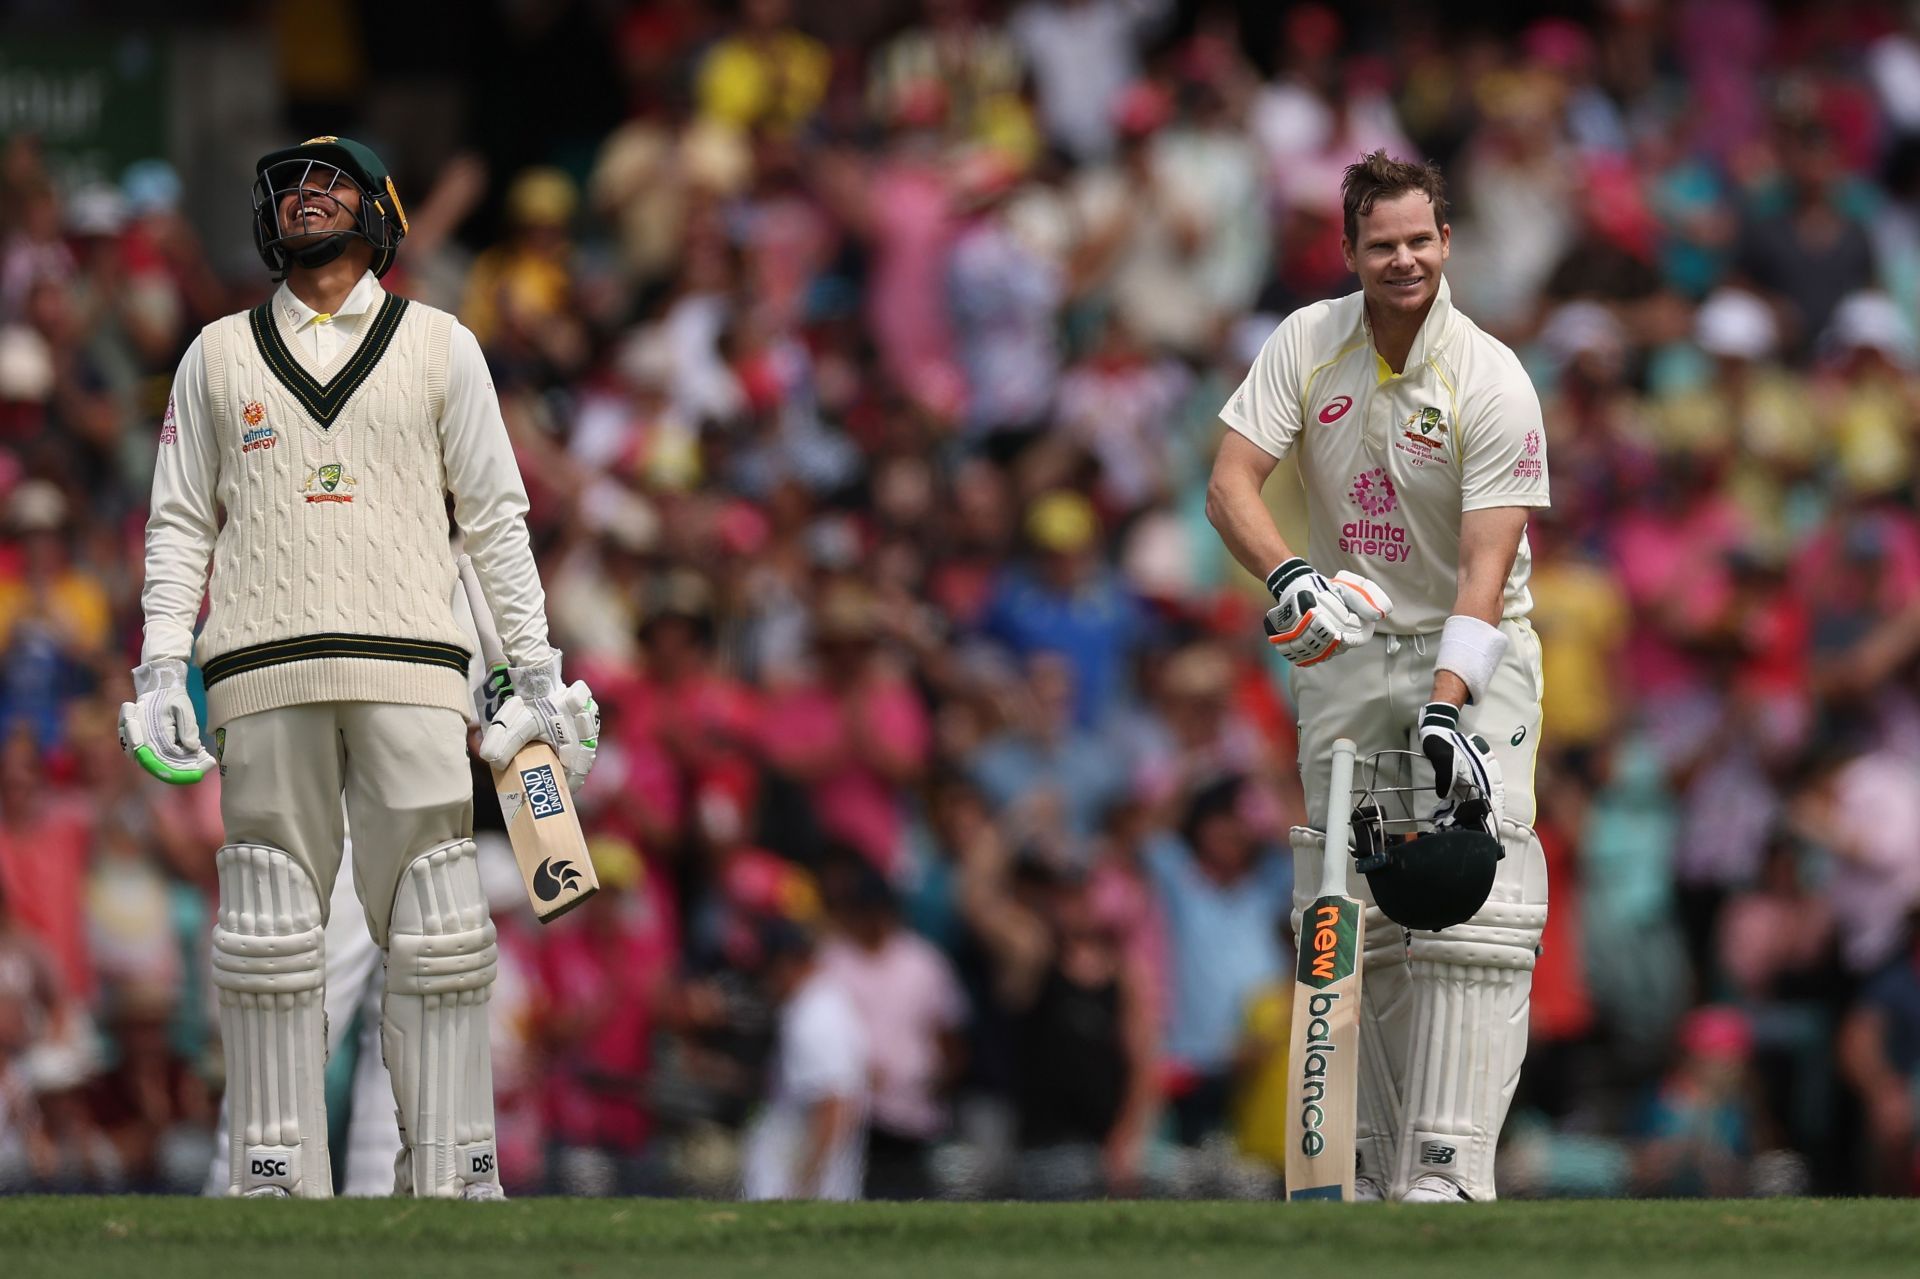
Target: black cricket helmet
x: 319, y: 166
x: 1427, y: 872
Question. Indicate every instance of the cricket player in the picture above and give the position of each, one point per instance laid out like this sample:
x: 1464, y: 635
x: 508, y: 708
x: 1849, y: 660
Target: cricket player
x: 308, y: 450
x: 1420, y: 444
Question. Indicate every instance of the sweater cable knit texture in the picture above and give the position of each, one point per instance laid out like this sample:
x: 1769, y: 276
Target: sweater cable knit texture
x: 331, y: 532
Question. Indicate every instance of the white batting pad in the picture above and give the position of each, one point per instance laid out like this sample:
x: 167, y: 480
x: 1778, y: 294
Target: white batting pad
x: 1386, y: 1019
x: 1471, y: 990
x: 441, y: 961
x: 269, y: 963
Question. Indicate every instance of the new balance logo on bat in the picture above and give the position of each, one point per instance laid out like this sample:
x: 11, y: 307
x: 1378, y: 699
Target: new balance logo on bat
x: 1327, y: 944
x: 543, y: 791
x: 1313, y: 1072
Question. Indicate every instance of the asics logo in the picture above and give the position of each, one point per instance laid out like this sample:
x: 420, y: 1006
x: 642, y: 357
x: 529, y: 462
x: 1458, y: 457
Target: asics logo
x: 1336, y: 409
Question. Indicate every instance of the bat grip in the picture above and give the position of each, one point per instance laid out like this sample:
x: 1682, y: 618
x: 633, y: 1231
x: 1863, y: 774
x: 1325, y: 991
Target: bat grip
x: 492, y: 652
x: 1333, y: 864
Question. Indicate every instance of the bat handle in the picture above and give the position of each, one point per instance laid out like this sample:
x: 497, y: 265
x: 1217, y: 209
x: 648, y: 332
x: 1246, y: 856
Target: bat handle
x: 492, y: 652
x: 1333, y: 865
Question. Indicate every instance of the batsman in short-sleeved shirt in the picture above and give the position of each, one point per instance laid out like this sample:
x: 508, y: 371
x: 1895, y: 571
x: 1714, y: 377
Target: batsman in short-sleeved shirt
x: 1391, y: 461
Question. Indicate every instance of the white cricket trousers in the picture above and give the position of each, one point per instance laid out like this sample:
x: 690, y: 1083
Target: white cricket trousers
x: 1443, y: 1015
x: 402, y: 769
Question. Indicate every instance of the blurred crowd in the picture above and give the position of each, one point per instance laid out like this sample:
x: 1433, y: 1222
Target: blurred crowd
x: 863, y: 372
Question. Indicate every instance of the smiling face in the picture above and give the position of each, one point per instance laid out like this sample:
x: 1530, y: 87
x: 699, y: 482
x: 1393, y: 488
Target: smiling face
x: 325, y: 201
x: 1398, y: 254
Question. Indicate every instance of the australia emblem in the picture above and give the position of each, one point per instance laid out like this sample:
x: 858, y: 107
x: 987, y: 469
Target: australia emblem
x: 329, y: 483
x: 1430, y: 444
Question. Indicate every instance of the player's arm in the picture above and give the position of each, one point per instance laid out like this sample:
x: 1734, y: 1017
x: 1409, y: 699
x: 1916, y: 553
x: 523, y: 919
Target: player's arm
x: 1312, y: 617
x: 159, y: 728
x: 182, y: 522
x: 490, y: 505
x: 1489, y: 543
x: 490, y: 502
x: 1503, y: 477
x: 1237, y: 511
x: 1503, y: 448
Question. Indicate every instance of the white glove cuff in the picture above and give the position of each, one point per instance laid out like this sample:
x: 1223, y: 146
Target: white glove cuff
x: 168, y: 672
x: 542, y: 680
x: 1472, y: 650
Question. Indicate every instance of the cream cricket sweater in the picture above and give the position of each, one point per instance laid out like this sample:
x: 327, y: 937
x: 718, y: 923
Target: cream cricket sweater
x: 332, y: 575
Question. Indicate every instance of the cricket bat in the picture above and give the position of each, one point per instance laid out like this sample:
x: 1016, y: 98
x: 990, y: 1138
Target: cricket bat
x: 1323, y: 1070
x: 542, y: 823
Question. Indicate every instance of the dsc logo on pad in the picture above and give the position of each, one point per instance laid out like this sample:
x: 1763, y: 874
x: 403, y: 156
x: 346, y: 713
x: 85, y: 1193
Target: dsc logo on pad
x: 543, y: 791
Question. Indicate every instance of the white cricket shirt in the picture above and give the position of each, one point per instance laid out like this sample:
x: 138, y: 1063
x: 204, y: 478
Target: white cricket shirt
x: 199, y: 474
x: 1391, y: 461
x: 821, y: 1055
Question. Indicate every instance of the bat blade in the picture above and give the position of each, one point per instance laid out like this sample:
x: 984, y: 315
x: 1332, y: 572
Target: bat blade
x: 544, y: 828
x: 1324, y: 1067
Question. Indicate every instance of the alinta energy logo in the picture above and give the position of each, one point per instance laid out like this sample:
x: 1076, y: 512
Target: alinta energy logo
x: 1376, y: 538
x: 1373, y: 492
x: 1529, y: 467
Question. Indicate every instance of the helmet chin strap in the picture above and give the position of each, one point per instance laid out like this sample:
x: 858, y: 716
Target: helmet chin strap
x: 318, y: 255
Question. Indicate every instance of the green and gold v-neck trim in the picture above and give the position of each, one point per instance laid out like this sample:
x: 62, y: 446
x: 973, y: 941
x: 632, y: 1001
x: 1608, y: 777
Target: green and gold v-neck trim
x: 325, y: 400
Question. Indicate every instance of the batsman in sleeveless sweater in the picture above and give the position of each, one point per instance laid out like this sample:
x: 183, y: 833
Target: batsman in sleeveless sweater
x: 308, y: 450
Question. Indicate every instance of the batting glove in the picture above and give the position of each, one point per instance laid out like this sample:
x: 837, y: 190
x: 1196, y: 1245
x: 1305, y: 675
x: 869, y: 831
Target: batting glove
x: 159, y: 729
x: 566, y: 718
x: 1466, y: 776
x: 1313, y: 618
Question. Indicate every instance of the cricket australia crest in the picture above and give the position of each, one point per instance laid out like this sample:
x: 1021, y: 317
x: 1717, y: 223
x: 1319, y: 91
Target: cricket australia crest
x: 1423, y: 436
x: 329, y: 483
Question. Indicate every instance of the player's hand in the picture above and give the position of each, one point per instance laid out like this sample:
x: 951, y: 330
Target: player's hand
x: 159, y: 729
x: 490, y: 694
x: 566, y: 718
x: 1466, y: 776
x: 1314, y: 618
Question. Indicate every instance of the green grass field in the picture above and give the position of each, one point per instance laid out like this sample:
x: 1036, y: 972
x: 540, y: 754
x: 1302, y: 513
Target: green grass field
x: 162, y: 1238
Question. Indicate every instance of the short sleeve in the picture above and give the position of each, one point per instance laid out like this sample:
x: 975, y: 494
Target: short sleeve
x: 1266, y: 407
x: 825, y: 1052
x: 1504, y: 445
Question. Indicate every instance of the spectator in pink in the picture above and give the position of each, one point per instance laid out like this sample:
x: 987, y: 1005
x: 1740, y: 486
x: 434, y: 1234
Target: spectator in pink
x: 46, y: 838
x: 854, y: 732
x: 912, y: 1009
x: 680, y: 720
x: 606, y: 980
x: 1861, y: 803
x: 901, y: 206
